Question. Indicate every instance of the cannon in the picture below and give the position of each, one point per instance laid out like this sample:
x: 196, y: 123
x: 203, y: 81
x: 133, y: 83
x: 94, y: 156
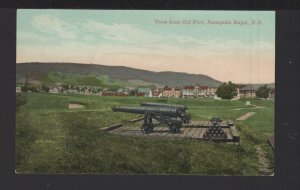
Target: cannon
x: 183, y: 107
x: 185, y: 117
x: 168, y: 115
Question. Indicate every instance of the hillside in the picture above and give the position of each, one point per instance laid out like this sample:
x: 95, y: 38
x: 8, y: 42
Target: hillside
x: 38, y: 71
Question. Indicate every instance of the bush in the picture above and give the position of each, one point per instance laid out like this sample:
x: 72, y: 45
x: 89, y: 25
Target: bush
x: 263, y: 92
x: 226, y: 90
x: 45, y: 88
x: 24, y: 88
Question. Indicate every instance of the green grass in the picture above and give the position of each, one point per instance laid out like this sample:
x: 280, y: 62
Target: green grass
x: 50, y: 138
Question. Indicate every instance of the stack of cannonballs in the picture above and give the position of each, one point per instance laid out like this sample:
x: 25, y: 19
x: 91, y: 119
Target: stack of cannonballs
x: 215, y: 131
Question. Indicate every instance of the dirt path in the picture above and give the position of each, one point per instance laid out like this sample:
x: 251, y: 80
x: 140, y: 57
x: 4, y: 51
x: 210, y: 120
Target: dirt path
x: 75, y: 106
x: 256, y: 107
x: 264, y: 165
x: 245, y: 116
x: 260, y: 107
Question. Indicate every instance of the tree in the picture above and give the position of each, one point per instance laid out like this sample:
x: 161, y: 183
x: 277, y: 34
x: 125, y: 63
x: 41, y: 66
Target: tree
x: 226, y: 90
x: 152, y: 86
x: 114, y: 88
x: 24, y: 88
x: 263, y: 92
x: 132, y: 92
x: 45, y: 88
x: 32, y: 89
x: 65, y: 86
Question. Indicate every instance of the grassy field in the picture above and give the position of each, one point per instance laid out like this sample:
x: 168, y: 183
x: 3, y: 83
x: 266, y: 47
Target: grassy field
x: 51, y: 138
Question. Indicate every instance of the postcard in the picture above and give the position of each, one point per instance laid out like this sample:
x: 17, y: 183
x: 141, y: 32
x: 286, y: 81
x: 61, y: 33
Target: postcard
x: 143, y: 92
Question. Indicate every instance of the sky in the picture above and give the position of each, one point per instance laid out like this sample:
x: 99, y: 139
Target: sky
x: 196, y: 42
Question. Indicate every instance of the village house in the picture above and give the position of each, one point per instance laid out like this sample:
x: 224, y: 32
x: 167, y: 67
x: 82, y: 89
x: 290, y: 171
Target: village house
x: 188, y: 92
x: 87, y: 91
x: 144, y: 91
x: 238, y: 87
x: 71, y: 91
x: 211, y: 91
x: 200, y: 91
x: 171, y: 92
x: 247, y: 91
x: 177, y: 92
x: 54, y: 90
x: 108, y: 93
x: 157, y: 92
x: 81, y: 89
x: 196, y: 91
x: 122, y: 92
x: 167, y: 92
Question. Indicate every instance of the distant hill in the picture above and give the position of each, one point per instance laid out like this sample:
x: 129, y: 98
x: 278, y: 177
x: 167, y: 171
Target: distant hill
x: 38, y: 71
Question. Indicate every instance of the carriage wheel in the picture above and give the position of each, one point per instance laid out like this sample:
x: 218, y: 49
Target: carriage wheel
x: 173, y: 128
x: 146, y: 128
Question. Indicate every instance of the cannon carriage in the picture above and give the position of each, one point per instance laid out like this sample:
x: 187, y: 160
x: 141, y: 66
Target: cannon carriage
x: 171, y: 116
x: 215, y: 129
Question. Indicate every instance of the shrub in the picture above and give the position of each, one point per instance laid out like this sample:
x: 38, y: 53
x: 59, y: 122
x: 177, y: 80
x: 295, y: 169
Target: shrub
x: 226, y: 90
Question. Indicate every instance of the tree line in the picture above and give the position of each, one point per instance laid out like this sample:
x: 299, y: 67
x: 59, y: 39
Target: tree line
x: 228, y: 91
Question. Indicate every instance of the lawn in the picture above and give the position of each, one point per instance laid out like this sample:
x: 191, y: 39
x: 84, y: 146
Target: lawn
x: 51, y: 138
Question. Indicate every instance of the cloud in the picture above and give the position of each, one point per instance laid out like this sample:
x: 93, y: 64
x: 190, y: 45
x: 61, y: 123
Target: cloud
x: 124, y: 33
x: 129, y: 37
x: 51, y: 24
x: 142, y: 40
x: 24, y: 36
x: 88, y: 38
x: 134, y: 35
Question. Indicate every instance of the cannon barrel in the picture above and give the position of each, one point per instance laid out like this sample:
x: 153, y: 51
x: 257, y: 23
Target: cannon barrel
x: 182, y: 107
x: 166, y: 111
